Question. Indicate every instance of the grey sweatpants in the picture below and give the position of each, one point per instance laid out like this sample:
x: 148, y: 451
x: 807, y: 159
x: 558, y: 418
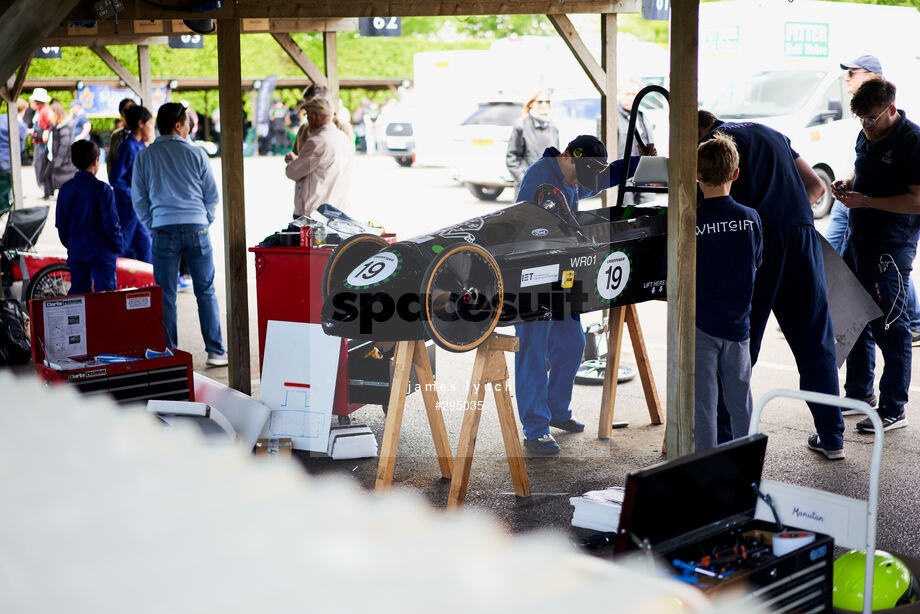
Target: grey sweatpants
x: 729, y: 363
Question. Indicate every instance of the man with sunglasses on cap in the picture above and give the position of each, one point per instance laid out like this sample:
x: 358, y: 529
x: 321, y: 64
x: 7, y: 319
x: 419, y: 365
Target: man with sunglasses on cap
x: 544, y: 394
x: 175, y: 198
x: 777, y: 183
x: 883, y: 196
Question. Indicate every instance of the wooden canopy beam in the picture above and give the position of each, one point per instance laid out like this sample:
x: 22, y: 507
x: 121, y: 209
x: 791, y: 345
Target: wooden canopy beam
x: 23, y: 28
x: 231, y: 166
x: 119, y: 69
x: 300, y: 58
x: 573, y: 40
x: 262, y: 9
x: 682, y: 227
x: 143, y: 65
x: 331, y: 64
x: 210, y: 83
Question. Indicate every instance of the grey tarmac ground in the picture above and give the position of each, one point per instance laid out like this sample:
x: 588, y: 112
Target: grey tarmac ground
x: 412, y: 201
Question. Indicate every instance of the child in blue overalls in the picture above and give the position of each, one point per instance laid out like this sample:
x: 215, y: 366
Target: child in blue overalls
x: 729, y: 248
x: 87, y: 224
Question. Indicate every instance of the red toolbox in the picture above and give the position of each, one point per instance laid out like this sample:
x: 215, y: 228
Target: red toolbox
x: 125, y: 323
x: 288, y: 289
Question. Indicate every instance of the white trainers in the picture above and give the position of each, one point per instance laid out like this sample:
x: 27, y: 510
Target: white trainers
x: 216, y: 360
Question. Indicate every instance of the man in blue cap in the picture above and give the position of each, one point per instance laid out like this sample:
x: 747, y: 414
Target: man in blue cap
x: 551, y: 350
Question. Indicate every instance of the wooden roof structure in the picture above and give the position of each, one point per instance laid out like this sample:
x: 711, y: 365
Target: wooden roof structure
x: 24, y: 28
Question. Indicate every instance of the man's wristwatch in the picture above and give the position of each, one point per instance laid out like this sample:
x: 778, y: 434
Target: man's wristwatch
x: 865, y: 202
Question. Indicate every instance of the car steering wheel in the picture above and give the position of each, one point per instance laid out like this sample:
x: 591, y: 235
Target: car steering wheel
x: 551, y: 198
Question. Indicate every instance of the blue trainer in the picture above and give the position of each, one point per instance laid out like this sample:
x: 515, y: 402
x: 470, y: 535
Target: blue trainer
x: 544, y: 446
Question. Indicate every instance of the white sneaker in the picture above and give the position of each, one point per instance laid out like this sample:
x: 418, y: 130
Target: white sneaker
x: 216, y: 360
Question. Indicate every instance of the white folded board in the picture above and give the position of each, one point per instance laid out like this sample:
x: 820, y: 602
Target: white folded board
x: 247, y: 415
x: 843, y: 518
x: 354, y: 441
x: 298, y: 383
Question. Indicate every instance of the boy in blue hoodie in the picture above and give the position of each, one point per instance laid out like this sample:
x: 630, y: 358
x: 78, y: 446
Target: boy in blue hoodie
x: 87, y: 224
x: 729, y: 246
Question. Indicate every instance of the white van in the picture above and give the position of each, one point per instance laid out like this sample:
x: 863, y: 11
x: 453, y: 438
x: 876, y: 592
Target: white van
x: 778, y: 63
x: 810, y: 106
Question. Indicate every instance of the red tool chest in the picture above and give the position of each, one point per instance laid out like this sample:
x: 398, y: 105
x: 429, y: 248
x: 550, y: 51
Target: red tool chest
x: 126, y: 323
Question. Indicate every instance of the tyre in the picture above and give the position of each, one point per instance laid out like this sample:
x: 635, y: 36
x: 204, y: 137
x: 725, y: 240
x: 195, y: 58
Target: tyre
x: 483, y: 193
x: 404, y: 160
x: 52, y: 280
x: 347, y: 256
x: 461, y: 297
x: 824, y: 204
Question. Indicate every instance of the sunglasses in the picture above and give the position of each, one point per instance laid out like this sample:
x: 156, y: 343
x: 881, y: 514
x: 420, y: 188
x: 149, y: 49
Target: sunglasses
x: 851, y: 72
x: 542, y: 101
x: 868, y: 122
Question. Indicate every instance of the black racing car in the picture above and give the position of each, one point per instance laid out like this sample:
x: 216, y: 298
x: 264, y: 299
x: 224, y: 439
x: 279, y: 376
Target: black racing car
x: 529, y: 261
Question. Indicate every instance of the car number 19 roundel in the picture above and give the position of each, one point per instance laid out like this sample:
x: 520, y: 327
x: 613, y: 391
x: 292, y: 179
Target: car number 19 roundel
x: 374, y: 270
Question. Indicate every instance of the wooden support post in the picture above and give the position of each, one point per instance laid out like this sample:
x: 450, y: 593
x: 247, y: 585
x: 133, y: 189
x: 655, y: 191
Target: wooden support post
x: 143, y: 66
x: 12, y: 91
x: 300, y: 58
x: 331, y: 64
x: 630, y: 316
x: 682, y: 227
x: 231, y: 164
x: 609, y: 134
x: 609, y: 394
x: 119, y: 69
x: 489, y: 368
x: 409, y: 353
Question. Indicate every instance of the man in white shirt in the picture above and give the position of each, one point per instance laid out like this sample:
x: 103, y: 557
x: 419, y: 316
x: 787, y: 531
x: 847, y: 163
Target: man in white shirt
x: 322, y: 168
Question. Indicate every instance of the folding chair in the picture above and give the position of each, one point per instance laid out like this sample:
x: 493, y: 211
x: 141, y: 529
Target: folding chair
x: 851, y: 522
x: 23, y: 227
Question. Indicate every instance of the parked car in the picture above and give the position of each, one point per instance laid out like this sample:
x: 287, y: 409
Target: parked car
x: 479, y: 146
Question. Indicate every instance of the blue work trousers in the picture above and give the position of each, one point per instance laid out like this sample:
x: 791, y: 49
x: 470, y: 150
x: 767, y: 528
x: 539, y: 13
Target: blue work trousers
x: 884, y: 273
x: 193, y: 242
x: 138, y: 243
x: 96, y: 274
x: 544, y: 394
x: 790, y: 282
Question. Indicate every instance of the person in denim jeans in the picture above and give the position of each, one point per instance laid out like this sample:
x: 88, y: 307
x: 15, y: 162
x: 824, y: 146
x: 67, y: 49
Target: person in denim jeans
x: 883, y: 196
x: 175, y: 196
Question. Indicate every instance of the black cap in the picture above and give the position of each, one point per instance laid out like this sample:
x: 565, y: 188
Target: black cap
x: 590, y: 157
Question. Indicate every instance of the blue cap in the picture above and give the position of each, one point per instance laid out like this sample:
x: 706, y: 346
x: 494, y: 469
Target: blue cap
x: 866, y: 62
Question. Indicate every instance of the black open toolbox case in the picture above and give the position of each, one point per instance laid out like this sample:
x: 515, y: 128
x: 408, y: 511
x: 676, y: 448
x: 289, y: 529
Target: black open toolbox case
x: 702, y: 505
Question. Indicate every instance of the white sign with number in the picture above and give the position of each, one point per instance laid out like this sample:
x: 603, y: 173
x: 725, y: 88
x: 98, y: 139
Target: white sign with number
x: 613, y: 275
x: 374, y: 270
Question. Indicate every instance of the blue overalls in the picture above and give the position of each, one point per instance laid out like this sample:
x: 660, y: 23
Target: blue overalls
x: 543, y: 396
x: 137, y: 238
x: 883, y: 246
x: 87, y: 224
x: 790, y: 281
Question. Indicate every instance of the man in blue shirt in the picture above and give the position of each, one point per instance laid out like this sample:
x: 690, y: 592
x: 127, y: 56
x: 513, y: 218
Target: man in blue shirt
x: 543, y: 398
x: 884, y: 201
x: 5, y: 164
x: 780, y: 186
x: 81, y: 123
x: 175, y: 197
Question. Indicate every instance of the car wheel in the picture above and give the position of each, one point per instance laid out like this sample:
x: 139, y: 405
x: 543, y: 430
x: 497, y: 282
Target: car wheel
x: 347, y: 256
x: 483, y: 193
x: 824, y: 204
x: 404, y: 160
x: 52, y: 280
x: 461, y: 296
